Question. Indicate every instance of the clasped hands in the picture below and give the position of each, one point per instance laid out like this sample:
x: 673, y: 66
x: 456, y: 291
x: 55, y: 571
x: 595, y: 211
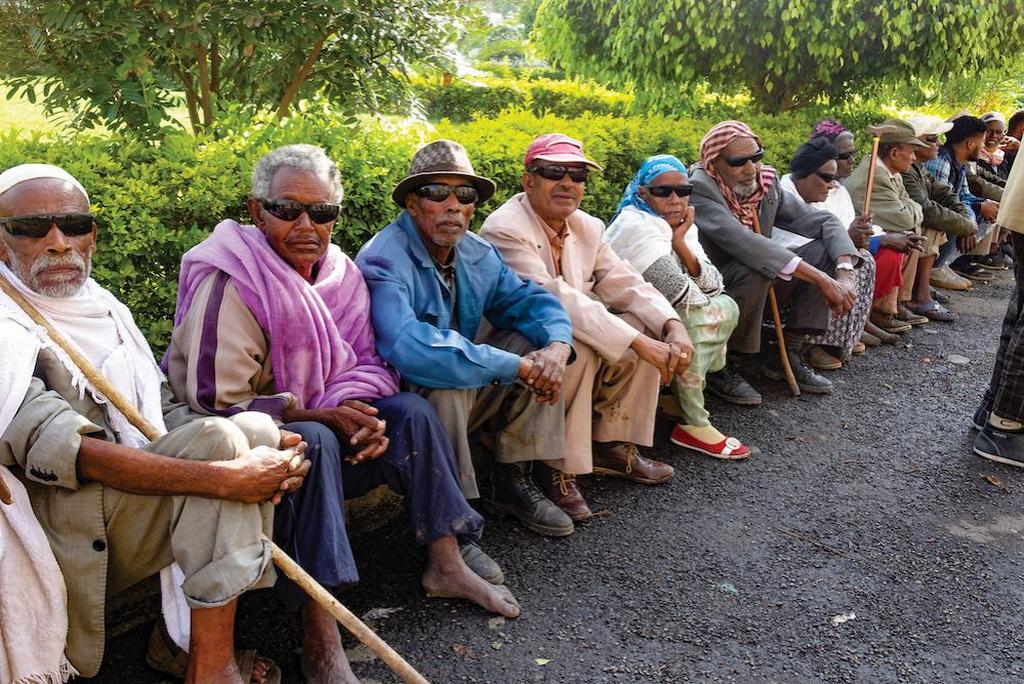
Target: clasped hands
x: 542, y: 371
x: 671, y: 355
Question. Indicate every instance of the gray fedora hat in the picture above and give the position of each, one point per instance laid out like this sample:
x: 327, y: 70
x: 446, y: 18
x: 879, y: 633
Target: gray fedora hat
x: 441, y: 158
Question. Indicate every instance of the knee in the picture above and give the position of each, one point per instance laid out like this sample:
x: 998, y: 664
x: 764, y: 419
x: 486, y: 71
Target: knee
x: 258, y: 428
x: 407, y: 409
x: 218, y: 439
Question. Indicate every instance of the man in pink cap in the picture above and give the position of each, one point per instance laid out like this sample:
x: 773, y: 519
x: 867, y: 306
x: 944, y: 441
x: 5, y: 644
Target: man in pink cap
x: 626, y: 335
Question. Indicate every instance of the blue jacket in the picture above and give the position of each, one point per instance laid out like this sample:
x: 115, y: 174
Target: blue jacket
x: 411, y: 318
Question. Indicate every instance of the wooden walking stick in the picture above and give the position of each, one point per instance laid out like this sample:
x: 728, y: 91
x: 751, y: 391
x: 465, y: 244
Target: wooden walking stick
x: 5, y: 493
x: 779, y: 335
x: 876, y: 133
x: 288, y: 566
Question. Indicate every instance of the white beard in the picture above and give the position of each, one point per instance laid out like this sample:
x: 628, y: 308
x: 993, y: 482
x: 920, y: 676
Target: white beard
x: 29, y: 273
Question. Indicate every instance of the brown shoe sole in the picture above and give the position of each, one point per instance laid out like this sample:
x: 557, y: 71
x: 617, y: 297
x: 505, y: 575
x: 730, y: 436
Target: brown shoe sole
x: 631, y: 477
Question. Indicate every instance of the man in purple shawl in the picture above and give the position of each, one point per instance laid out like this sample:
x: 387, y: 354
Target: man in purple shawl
x: 275, y: 318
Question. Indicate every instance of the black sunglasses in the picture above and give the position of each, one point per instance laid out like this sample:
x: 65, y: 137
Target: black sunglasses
x: 290, y: 210
x: 843, y: 156
x: 39, y: 225
x: 666, y: 190
x: 578, y: 174
x: 827, y: 177
x: 439, y: 192
x: 930, y: 139
x: 742, y: 161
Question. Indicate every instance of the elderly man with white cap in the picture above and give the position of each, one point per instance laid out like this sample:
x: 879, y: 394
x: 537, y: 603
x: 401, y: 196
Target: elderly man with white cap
x: 116, y: 507
x: 626, y: 335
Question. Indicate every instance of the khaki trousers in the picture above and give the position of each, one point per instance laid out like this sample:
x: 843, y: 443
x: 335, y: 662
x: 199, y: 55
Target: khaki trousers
x: 606, y: 402
x: 521, y: 428
x: 217, y: 543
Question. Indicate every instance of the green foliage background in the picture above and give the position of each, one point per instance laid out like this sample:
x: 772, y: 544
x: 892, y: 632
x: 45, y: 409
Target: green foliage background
x: 155, y: 202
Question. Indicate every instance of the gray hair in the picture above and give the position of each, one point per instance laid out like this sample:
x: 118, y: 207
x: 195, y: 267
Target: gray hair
x: 302, y: 157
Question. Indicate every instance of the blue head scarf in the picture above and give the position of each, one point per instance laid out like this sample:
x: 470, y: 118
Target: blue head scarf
x: 651, y: 169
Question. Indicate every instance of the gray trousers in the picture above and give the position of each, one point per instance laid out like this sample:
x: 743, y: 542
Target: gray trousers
x: 521, y: 428
x: 808, y: 310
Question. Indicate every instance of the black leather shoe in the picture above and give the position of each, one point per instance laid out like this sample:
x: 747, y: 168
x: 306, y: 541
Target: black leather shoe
x: 806, y: 378
x: 728, y: 385
x: 514, y: 493
x: 999, y: 446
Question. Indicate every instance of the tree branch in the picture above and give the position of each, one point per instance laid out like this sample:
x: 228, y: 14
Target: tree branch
x: 204, y: 83
x: 307, y: 67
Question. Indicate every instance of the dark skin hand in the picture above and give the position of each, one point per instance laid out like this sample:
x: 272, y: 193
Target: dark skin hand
x: 672, y: 356
x: 840, y: 299
x: 903, y: 242
x: 354, y: 419
x: 989, y: 210
x: 860, y: 230
x: 543, y: 369
x: 966, y: 243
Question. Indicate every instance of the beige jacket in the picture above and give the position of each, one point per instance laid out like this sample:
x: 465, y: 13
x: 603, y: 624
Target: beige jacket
x: 594, y: 283
x: 1011, y: 209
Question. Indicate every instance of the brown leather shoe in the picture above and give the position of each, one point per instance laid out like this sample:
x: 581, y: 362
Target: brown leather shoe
x: 621, y: 459
x: 561, y: 489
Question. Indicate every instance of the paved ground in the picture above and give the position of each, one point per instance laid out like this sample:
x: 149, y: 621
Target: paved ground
x: 865, y: 503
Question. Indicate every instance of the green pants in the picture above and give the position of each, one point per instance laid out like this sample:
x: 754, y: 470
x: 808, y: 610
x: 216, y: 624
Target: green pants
x: 710, y: 327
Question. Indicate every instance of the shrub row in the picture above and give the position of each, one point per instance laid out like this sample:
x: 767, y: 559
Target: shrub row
x: 155, y: 202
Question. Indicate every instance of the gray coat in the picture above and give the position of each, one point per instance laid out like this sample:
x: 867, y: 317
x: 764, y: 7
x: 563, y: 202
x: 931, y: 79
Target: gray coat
x: 725, y: 239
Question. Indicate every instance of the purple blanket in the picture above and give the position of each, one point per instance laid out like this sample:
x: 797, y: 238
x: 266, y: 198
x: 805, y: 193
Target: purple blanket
x: 321, y: 339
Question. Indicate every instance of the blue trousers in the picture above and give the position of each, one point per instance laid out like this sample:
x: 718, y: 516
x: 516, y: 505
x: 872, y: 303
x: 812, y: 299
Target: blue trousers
x: 309, y: 524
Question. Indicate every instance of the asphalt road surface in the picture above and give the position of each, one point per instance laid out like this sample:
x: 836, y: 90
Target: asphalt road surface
x: 865, y: 542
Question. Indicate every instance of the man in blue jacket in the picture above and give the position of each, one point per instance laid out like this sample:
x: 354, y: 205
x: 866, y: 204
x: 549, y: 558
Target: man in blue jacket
x: 485, y: 347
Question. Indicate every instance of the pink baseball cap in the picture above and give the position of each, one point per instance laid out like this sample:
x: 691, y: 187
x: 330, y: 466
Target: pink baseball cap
x: 555, y: 147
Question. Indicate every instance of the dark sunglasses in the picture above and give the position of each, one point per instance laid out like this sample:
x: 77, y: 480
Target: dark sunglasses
x: 439, y: 192
x: 846, y: 155
x: 578, y: 174
x: 290, y: 210
x: 930, y: 139
x: 39, y: 225
x: 742, y: 161
x: 666, y: 190
x: 827, y: 177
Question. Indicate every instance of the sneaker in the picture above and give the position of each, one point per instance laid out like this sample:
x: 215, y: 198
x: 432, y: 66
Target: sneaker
x: 728, y: 385
x: 945, y: 278
x: 993, y: 262
x: 971, y: 271
x: 729, y: 449
x: 999, y: 446
x: 980, y: 418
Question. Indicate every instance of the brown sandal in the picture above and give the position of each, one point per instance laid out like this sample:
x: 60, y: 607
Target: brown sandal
x: 165, y: 657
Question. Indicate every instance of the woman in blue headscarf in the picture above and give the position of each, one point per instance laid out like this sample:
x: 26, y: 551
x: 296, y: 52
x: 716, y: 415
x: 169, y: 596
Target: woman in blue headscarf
x: 653, y: 230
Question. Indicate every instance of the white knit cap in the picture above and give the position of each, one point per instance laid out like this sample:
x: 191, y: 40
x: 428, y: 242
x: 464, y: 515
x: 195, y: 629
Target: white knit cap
x: 26, y: 172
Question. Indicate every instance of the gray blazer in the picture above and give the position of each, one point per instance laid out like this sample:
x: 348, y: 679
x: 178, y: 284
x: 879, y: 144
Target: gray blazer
x: 725, y: 239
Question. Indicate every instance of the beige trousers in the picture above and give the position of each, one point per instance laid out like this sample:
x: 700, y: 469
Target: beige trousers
x: 217, y: 543
x: 519, y: 427
x: 606, y: 402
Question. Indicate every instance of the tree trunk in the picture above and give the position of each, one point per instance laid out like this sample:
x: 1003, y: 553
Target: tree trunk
x: 300, y: 77
x: 190, y: 98
x: 204, y: 84
x: 215, y: 66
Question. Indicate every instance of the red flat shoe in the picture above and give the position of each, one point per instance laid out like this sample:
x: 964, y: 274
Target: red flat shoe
x: 729, y: 449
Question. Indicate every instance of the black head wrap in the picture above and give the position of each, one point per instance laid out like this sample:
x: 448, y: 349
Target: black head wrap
x: 810, y: 156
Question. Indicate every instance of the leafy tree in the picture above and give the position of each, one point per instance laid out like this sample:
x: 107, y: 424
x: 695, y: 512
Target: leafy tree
x: 124, y: 63
x: 787, y: 53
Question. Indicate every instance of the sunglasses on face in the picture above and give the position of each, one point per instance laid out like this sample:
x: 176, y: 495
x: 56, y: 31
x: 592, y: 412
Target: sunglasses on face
x: 39, y: 225
x: 666, y: 190
x: 930, y: 139
x: 846, y: 155
x: 827, y: 177
x: 737, y: 162
x: 578, y: 174
x: 290, y: 210
x: 439, y: 192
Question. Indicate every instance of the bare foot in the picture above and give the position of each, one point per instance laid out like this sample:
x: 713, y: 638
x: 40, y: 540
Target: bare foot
x: 456, y: 580
x: 323, y: 656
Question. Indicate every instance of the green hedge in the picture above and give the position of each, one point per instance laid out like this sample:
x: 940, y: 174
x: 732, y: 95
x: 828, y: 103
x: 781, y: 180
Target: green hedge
x: 155, y: 202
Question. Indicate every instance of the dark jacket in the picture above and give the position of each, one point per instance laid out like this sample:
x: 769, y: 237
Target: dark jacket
x: 725, y: 239
x: 942, y: 208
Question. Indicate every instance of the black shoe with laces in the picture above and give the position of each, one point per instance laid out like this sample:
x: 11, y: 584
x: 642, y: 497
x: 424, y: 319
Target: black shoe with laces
x: 514, y: 493
x: 728, y: 385
x: 808, y: 380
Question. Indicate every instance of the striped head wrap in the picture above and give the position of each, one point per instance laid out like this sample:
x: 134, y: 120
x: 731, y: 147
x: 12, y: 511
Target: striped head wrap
x: 711, y: 146
x: 830, y: 129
